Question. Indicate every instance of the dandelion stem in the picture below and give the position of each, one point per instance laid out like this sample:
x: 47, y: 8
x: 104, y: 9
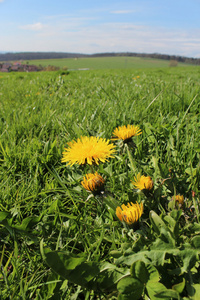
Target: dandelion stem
x: 92, y: 169
x: 133, y: 165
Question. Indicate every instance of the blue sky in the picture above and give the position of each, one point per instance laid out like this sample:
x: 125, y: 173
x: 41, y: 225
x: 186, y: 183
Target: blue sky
x: 93, y: 26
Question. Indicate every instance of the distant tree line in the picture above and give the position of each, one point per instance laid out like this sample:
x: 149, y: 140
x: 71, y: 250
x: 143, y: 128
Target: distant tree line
x: 12, y: 56
x: 189, y: 60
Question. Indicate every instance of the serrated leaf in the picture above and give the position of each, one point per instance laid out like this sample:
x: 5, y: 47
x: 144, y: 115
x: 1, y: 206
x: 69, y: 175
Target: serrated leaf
x: 164, y: 242
x: 157, y: 257
x: 189, y: 257
x: 132, y: 257
x: 159, y: 249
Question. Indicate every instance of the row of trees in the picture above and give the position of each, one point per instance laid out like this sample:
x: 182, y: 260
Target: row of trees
x: 52, y: 55
x: 189, y: 60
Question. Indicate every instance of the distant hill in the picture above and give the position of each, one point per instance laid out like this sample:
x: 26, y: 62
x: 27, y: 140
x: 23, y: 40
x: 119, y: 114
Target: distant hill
x: 13, y: 56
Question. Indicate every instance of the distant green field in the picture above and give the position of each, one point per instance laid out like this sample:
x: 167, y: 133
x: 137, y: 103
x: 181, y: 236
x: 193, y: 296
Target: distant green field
x: 94, y: 63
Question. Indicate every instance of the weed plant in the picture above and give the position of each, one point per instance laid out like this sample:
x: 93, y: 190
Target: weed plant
x: 60, y: 241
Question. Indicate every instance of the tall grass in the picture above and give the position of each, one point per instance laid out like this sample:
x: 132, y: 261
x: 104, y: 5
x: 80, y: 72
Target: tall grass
x: 43, y: 205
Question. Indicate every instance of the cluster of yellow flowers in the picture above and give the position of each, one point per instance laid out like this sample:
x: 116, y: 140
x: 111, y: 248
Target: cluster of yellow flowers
x: 94, y: 150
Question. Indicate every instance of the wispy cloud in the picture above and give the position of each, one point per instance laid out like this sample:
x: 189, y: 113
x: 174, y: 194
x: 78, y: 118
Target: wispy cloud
x: 1, y: 1
x: 73, y: 34
x: 115, y: 37
x: 34, y: 27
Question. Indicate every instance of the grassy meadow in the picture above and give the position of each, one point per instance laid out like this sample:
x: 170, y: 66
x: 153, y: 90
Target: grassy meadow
x: 102, y: 63
x: 60, y: 241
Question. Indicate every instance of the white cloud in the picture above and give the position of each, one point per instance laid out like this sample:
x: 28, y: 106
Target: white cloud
x: 1, y: 1
x: 34, y: 27
x: 77, y: 35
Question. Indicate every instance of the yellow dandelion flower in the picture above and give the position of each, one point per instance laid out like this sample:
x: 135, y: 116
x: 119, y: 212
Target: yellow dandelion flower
x: 90, y: 150
x: 126, y: 132
x: 179, y: 199
x: 143, y: 182
x: 129, y: 213
x: 93, y: 182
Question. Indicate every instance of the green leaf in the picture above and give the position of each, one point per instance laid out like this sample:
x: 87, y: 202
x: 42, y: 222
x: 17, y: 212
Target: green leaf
x: 156, y: 221
x: 153, y: 273
x: 28, y: 221
x: 77, y: 269
x: 71, y: 267
x: 195, y: 227
x: 179, y: 287
x: 84, y: 273
x: 159, y: 249
x: 170, y: 221
x: 70, y: 260
x: 194, y: 291
x: 3, y: 215
x: 176, y: 214
x: 167, y: 242
x: 130, y: 288
x: 157, y: 257
x: 116, y: 253
x: 132, y: 257
x: 195, y: 241
x: 109, y: 275
x: 139, y: 271
x: 189, y: 257
x: 154, y: 288
x: 167, y: 294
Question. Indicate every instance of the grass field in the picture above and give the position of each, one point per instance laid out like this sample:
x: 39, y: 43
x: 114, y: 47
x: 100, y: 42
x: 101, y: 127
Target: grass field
x: 96, y: 63
x: 61, y: 241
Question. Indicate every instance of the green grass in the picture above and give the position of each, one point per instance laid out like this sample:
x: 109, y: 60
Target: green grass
x: 105, y: 63
x: 55, y: 244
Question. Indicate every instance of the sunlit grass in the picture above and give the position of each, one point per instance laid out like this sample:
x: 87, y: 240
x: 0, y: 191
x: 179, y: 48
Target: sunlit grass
x: 45, y: 208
